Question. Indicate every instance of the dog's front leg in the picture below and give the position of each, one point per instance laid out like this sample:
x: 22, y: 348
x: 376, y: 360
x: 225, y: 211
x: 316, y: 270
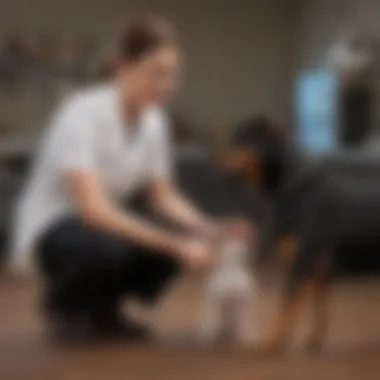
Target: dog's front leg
x: 286, y: 320
x: 320, y: 290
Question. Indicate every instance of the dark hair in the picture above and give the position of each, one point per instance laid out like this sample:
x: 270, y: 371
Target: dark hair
x: 144, y: 36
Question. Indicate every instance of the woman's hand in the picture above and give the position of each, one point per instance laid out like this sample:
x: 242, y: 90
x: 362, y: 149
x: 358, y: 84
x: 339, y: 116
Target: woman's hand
x: 197, y: 254
x: 239, y: 228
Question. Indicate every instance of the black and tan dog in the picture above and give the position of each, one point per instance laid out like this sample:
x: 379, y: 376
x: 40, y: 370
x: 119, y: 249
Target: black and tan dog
x: 324, y: 221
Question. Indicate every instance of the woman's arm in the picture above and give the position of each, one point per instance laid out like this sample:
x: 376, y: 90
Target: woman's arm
x: 167, y: 200
x: 95, y: 209
x: 78, y: 165
x: 170, y: 202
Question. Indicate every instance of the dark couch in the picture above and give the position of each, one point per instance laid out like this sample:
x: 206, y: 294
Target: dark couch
x: 210, y: 188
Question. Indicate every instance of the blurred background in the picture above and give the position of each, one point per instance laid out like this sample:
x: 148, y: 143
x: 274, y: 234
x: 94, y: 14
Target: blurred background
x: 241, y: 58
x: 311, y: 65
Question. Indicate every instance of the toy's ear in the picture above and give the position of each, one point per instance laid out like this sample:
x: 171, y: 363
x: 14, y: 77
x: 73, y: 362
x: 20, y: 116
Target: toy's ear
x: 244, y: 161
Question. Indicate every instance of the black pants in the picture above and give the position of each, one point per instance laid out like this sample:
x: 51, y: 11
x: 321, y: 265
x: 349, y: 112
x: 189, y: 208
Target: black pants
x: 88, y: 270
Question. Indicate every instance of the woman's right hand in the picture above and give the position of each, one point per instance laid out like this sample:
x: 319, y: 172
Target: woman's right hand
x: 197, y: 254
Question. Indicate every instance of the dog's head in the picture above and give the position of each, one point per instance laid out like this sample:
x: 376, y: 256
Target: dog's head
x: 256, y: 153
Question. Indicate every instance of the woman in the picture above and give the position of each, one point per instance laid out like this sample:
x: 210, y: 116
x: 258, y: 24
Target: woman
x: 103, y: 145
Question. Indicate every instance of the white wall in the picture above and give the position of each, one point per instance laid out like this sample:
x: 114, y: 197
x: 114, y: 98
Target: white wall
x: 237, y: 57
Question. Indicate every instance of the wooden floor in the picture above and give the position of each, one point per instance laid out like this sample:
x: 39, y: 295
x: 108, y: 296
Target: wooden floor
x: 352, y: 350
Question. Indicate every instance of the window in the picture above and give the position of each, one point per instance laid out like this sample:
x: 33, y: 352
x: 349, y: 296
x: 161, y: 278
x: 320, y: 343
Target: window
x: 315, y: 105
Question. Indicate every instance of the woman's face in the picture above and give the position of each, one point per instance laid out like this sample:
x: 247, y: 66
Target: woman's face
x: 153, y: 78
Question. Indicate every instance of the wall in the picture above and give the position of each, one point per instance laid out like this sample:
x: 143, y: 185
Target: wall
x: 322, y: 22
x: 237, y: 58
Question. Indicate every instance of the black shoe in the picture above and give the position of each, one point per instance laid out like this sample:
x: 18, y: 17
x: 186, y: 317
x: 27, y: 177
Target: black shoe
x: 64, y: 327
x: 116, y: 326
x: 65, y: 330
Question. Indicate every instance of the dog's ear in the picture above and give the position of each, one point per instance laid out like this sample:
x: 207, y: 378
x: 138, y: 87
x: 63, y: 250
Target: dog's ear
x: 255, y: 173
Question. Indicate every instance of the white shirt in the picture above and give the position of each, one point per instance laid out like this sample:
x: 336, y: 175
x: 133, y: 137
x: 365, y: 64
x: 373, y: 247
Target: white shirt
x: 88, y: 133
